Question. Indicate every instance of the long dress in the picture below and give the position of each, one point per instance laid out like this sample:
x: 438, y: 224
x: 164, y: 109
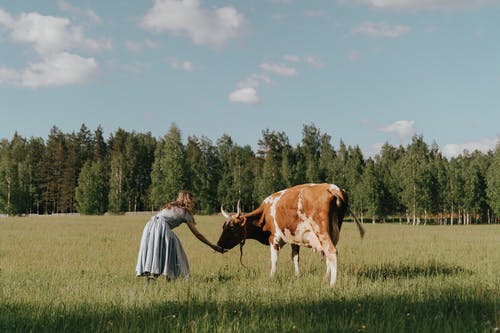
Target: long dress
x: 161, y: 252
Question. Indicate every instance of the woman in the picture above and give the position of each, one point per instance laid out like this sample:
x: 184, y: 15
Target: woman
x: 161, y: 252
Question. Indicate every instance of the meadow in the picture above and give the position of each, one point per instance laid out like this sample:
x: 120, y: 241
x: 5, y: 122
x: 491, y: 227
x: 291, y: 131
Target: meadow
x: 76, y: 274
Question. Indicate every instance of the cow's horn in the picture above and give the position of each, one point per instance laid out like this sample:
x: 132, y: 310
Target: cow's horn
x: 238, y: 211
x: 224, y: 213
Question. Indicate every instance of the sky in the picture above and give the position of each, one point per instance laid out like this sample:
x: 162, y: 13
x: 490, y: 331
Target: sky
x: 364, y: 71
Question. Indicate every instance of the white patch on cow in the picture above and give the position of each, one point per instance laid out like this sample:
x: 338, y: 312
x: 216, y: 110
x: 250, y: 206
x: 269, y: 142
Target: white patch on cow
x: 327, y: 274
x: 273, y: 201
x: 274, y: 260
x: 332, y: 262
x: 295, y: 259
x: 305, y: 232
x: 273, y: 197
x: 334, y: 187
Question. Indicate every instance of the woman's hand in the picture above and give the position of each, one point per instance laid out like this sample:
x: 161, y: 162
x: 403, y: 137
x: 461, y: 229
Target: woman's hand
x: 219, y: 249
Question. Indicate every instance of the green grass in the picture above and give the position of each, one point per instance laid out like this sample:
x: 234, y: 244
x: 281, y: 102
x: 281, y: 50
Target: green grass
x: 76, y: 273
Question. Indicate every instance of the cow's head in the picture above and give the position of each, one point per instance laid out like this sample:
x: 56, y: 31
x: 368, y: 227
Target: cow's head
x: 233, y: 229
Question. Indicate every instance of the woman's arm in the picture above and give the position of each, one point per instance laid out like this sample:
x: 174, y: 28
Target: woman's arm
x: 202, y: 238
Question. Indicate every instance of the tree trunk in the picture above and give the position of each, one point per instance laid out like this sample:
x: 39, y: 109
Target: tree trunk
x: 451, y: 217
x: 8, y: 196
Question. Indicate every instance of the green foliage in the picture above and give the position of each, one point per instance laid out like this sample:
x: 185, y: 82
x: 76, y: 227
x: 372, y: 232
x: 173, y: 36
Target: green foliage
x: 141, y: 173
x: 493, y: 180
x: 169, y: 172
x: 203, y: 167
x: 91, y: 193
x: 270, y: 178
x: 131, y: 161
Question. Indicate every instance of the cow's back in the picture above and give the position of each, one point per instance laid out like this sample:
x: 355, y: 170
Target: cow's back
x: 299, y: 209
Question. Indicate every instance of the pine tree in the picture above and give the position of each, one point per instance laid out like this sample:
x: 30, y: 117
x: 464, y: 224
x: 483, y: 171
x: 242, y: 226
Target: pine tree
x: 416, y: 179
x: 493, y: 181
x: 453, y: 195
x: 118, y: 170
x: 9, y: 181
x: 203, y: 173
x: 34, y: 160
x: 269, y: 178
x: 225, y: 148
x: 53, y: 170
x: 92, y: 191
x: 326, y: 160
x: 169, y: 170
x: 310, y: 150
x: 386, y: 162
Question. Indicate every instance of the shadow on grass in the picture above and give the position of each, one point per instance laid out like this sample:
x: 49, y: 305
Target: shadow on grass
x: 443, y: 313
x: 218, y: 278
x: 409, y: 271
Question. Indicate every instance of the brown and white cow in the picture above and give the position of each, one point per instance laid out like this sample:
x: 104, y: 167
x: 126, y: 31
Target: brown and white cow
x: 304, y: 215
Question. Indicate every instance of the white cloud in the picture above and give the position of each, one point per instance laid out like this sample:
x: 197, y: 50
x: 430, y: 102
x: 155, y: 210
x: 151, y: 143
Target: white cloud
x: 401, y: 128
x: 77, y: 11
x: 381, y: 29
x: 308, y: 59
x: 245, y: 95
x: 9, y: 76
x: 278, y: 69
x: 254, y: 81
x: 313, y: 61
x: 51, y: 38
x: 421, y: 4
x: 49, y: 34
x: 138, y: 46
x: 6, y: 19
x: 56, y: 70
x: 291, y: 58
x: 187, y: 17
x: 182, y: 65
x: 484, y: 145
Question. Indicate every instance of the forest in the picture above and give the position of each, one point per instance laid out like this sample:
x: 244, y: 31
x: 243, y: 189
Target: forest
x: 82, y: 172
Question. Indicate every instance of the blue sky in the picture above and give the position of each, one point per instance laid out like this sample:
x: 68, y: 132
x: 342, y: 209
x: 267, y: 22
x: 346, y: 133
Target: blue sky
x: 366, y: 71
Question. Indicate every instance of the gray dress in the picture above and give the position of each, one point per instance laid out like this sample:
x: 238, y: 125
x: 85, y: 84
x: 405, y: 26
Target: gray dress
x: 161, y: 252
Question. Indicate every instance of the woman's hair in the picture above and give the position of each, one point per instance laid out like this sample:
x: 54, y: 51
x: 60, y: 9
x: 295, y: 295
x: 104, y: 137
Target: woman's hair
x: 185, y: 199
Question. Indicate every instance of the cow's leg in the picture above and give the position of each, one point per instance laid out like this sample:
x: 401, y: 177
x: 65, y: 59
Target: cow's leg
x: 327, y: 273
x: 295, y: 258
x: 274, y: 258
x: 332, y: 262
x: 331, y: 257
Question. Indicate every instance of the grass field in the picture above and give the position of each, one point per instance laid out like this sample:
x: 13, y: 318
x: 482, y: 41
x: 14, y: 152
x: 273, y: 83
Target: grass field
x: 76, y: 273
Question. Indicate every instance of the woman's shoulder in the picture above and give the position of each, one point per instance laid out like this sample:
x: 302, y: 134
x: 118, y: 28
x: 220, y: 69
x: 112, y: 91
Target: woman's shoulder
x: 175, y: 211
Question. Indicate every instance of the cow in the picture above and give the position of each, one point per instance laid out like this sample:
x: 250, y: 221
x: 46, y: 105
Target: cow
x: 308, y: 215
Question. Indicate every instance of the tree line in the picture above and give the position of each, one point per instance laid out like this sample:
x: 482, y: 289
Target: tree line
x: 86, y: 173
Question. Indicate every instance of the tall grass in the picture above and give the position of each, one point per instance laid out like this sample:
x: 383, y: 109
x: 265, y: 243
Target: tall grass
x: 77, y: 274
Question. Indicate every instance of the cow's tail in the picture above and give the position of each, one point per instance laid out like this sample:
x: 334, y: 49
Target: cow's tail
x: 341, y: 195
x: 361, y: 228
